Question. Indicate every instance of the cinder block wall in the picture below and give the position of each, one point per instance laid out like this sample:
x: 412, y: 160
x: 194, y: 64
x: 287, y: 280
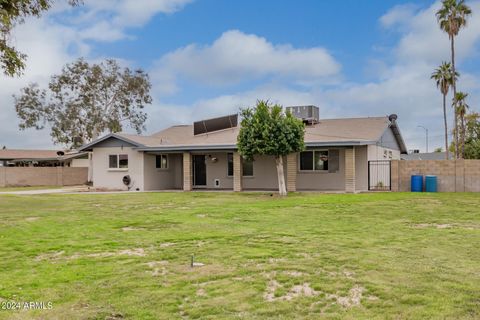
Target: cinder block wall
x: 42, y: 176
x: 452, y: 175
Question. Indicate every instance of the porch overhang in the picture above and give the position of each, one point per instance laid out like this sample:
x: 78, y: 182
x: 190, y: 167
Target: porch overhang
x: 219, y: 147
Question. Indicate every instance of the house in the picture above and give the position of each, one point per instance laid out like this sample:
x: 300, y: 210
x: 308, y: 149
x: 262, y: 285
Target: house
x: 42, y: 158
x: 424, y: 156
x: 204, y: 156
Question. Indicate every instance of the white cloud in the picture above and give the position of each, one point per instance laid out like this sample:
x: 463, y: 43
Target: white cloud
x: 238, y: 57
x: 107, y: 20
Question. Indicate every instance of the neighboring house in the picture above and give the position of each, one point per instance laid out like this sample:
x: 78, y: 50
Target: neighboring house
x: 42, y: 158
x: 204, y: 156
x: 424, y: 156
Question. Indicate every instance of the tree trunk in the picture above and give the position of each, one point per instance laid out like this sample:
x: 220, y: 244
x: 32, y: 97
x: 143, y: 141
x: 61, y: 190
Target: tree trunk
x: 454, y: 86
x: 445, y: 124
x: 282, y: 189
x: 95, y: 135
x: 462, y: 119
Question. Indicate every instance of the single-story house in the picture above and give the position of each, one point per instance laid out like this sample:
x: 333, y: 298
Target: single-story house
x: 42, y: 158
x: 204, y: 156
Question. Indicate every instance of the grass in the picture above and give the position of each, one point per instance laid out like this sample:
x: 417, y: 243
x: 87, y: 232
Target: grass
x: 8, y: 189
x: 366, y: 256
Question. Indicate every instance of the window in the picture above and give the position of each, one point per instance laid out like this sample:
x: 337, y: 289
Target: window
x: 161, y: 161
x: 314, y: 160
x: 230, y: 164
x: 247, y: 168
x: 118, y: 161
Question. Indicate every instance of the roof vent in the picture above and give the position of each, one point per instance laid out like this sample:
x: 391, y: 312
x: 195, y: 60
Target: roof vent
x: 308, y: 114
x: 393, y: 117
x: 60, y: 153
x: 215, y: 124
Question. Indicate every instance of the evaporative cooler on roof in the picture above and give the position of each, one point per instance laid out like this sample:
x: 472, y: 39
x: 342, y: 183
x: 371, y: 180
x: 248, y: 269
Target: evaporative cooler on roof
x: 215, y: 124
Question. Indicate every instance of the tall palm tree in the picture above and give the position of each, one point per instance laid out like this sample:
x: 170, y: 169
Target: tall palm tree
x: 452, y: 17
x: 461, y: 108
x: 444, y: 78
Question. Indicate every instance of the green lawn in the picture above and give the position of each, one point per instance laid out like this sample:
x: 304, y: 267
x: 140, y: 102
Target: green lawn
x: 366, y: 256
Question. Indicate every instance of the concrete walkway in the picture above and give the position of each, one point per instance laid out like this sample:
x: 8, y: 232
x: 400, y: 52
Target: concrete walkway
x: 46, y: 191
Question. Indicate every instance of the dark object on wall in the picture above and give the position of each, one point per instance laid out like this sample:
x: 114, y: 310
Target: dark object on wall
x: 126, y: 180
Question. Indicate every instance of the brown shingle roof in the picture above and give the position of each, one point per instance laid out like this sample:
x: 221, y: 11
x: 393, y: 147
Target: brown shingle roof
x: 328, y: 131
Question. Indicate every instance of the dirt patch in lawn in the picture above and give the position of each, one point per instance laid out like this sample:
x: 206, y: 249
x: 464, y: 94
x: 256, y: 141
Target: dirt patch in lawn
x: 446, y: 226
x: 30, y: 219
x: 294, y: 292
x: 132, y: 229
x: 138, y: 252
x: 158, y: 268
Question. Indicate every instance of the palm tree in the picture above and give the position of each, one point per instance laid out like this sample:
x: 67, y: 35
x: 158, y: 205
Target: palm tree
x: 444, y: 78
x: 461, y: 107
x: 452, y: 17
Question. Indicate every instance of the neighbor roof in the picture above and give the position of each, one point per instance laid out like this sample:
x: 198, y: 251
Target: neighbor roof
x: 11, y: 154
x: 424, y: 156
x: 328, y: 132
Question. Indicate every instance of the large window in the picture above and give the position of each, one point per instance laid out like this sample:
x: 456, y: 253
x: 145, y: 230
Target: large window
x: 247, y: 166
x: 230, y: 164
x: 161, y: 161
x: 118, y: 161
x: 314, y: 160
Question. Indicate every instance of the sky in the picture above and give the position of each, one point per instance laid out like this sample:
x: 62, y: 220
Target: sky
x: 208, y: 58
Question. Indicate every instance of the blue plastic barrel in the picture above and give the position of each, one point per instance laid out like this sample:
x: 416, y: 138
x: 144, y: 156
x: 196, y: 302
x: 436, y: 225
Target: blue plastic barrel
x: 417, y: 183
x: 431, y: 183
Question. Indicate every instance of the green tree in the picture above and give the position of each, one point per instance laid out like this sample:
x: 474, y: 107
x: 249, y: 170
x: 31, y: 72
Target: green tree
x: 461, y: 108
x: 451, y: 18
x: 12, y: 13
x: 444, y: 78
x: 439, y: 149
x: 267, y: 130
x: 85, y: 100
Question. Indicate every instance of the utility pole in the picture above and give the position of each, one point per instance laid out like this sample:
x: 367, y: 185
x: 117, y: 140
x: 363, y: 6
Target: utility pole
x: 426, y: 136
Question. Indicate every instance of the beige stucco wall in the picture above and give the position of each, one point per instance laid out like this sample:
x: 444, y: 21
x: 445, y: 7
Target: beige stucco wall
x: 361, y: 168
x: 42, y: 176
x: 163, y: 179
x: 79, y: 163
x: 376, y: 152
x: 103, y: 177
x: 264, y: 174
x: 218, y: 170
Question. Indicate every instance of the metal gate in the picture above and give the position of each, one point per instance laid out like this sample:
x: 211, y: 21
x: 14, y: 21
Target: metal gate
x: 379, y: 175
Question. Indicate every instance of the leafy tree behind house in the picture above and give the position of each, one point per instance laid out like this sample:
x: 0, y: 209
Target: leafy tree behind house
x: 85, y: 100
x: 472, y: 136
x: 267, y: 130
x: 12, y: 13
x: 451, y: 18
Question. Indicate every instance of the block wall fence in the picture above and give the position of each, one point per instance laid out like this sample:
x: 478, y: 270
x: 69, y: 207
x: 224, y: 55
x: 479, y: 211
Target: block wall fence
x: 452, y: 175
x: 42, y: 176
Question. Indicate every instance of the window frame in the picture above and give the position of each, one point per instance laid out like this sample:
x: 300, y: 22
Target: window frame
x: 313, y: 161
x: 161, y: 162
x: 117, y: 156
x: 229, y: 160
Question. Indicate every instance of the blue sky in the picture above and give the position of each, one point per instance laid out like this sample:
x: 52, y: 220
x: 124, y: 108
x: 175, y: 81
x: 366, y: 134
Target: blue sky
x: 210, y: 57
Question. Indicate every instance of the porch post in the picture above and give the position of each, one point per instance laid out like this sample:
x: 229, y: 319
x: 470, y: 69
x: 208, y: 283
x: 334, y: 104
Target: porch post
x: 292, y: 172
x: 237, y: 172
x: 350, y: 169
x: 187, y: 171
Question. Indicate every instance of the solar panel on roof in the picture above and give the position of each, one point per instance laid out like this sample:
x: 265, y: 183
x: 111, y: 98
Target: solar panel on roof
x: 215, y: 124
